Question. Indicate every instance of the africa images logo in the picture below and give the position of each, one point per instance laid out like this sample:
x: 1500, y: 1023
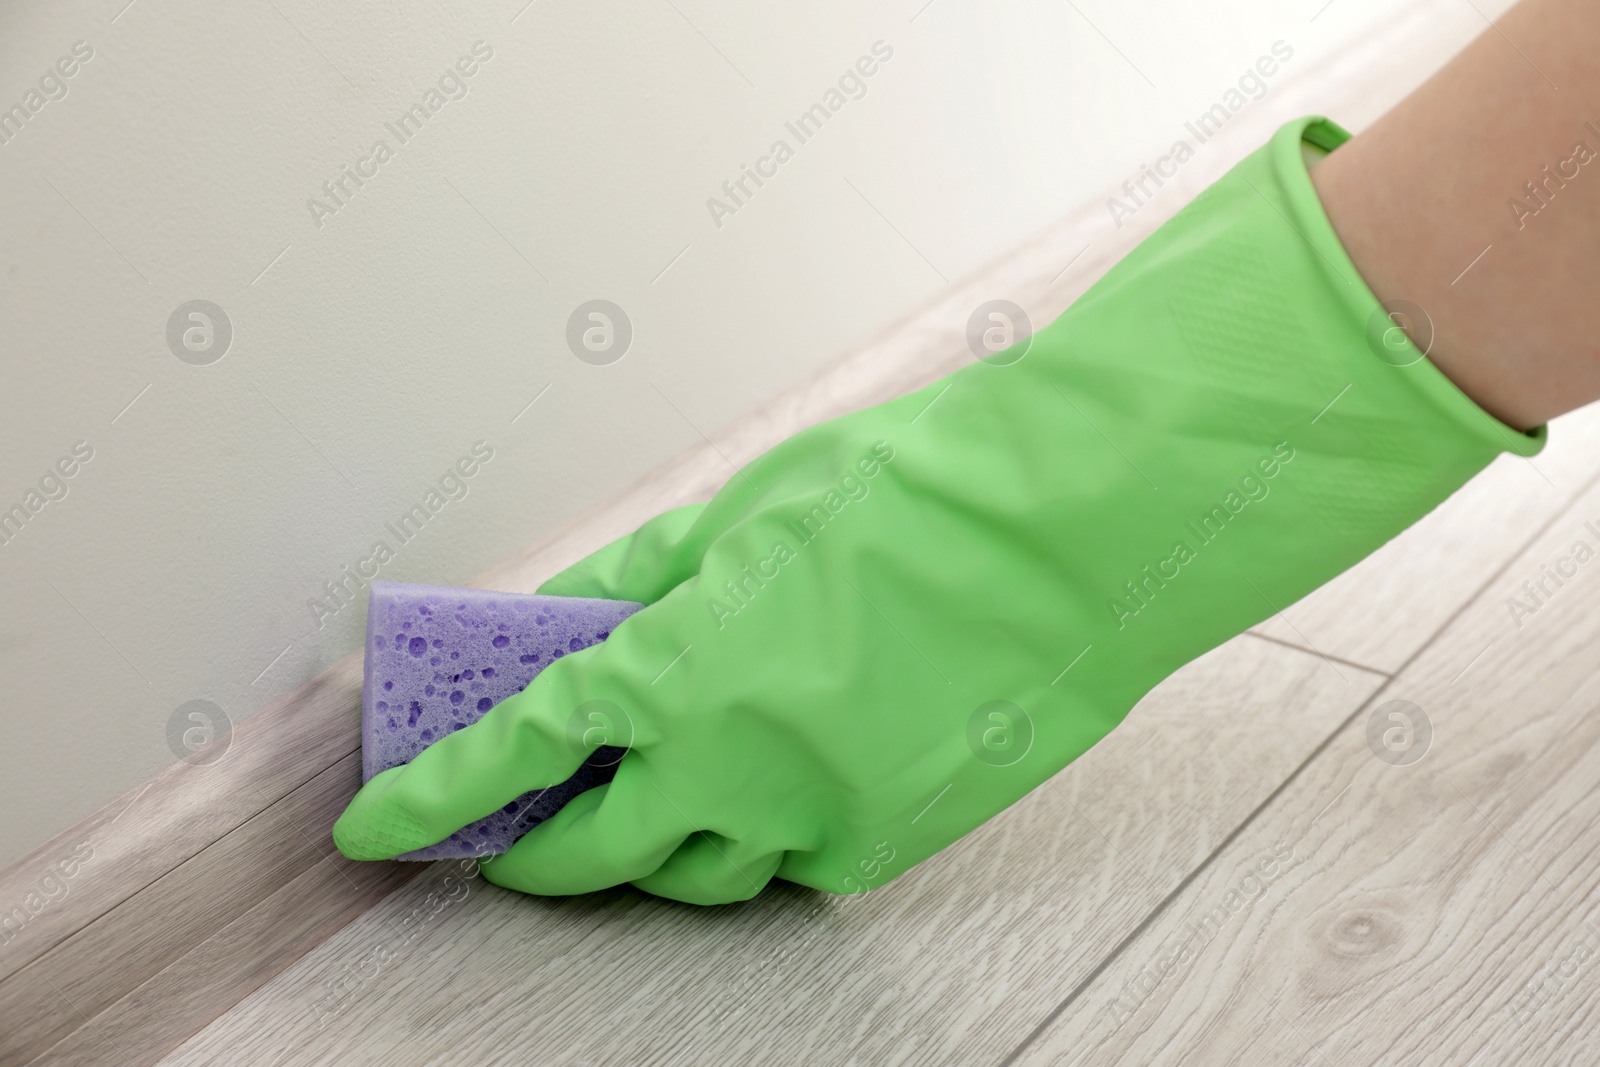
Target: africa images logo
x: 1142, y: 590
x: 451, y: 85
x: 743, y: 589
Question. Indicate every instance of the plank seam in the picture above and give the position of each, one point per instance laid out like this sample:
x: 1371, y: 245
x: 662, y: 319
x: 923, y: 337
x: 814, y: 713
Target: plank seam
x: 1161, y: 907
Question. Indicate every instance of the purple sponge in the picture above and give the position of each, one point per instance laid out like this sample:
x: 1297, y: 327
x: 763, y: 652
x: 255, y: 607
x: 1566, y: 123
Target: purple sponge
x: 439, y: 657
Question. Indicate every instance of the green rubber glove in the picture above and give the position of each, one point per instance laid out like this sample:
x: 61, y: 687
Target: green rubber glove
x: 895, y: 624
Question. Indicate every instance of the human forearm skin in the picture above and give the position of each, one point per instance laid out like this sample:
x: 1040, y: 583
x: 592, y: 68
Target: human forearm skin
x: 1426, y: 201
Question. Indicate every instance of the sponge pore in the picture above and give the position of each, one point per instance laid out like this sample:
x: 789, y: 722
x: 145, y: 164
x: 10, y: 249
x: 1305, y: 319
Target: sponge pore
x: 439, y: 657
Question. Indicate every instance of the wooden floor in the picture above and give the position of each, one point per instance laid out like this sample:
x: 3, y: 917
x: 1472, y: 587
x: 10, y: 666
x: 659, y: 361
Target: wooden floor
x: 1234, y: 876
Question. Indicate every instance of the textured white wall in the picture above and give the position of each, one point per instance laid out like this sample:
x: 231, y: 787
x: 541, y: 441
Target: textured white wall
x: 375, y: 344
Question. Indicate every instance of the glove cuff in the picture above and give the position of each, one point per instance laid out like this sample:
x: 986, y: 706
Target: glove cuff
x: 1303, y: 209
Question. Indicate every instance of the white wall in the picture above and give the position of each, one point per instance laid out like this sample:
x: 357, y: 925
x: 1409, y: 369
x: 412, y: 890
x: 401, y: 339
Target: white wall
x: 372, y: 351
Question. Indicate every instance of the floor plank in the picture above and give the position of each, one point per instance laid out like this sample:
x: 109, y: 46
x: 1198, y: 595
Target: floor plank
x: 954, y: 958
x: 1439, y: 912
x: 144, y: 1024
x: 139, y: 838
x: 51, y: 996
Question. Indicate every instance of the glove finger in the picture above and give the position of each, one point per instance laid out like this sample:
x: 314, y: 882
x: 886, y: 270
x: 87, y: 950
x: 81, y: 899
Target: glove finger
x: 610, y: 835
x: 819, y: 871
x: 645, y: 565
x: 709, y: 868
x: 532, y: 740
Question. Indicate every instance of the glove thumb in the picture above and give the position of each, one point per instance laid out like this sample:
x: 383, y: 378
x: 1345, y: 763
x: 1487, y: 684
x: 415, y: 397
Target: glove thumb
x: 643, y: 566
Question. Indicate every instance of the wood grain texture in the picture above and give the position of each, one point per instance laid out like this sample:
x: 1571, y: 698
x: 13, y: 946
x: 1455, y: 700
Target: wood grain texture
x: 145, y: 1023
x: 1445, y: 912
x: 960, y: 954
x: 142, y: 836
x: 50, y: 997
